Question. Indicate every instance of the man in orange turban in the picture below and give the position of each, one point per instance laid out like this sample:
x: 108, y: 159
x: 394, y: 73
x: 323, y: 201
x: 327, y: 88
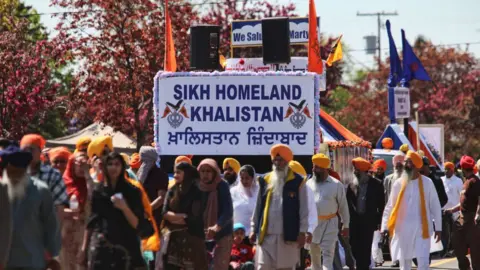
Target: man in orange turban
x: 379, y: 169
x: 135, y: 162
x: 366, y: 200
x: 326, y: 233
x: 387, y: 143
x: 281, y: 214
x: 409, y: 215
x: 59, y: 157
x: 34, y: 144
x: 183, y: 159
x: 231, y: 168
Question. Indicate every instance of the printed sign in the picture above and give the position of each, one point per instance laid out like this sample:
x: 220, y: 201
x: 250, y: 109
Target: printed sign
x: 228, y: 114
x: 402, y: 102
x: 249, y: 33
x: 256, y: 64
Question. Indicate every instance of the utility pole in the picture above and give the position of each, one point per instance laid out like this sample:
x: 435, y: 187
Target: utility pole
x: 379, y: 15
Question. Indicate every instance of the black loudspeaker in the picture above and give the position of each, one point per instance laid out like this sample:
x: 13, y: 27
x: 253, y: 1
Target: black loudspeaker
x: 204, y: 44
x: 276, y: 40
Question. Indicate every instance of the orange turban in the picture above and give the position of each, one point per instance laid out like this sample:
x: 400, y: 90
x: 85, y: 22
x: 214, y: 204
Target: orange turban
x: 387, y: 143
x: 415, y: 158
x: 361, y: 164
x: 232, y: 163
x: 180, y: 159
x: 449, y: 166
x: 281, y: 150
x: 59, y: 152
x: 33, y: 139
x: 135, y: 161
x: 379, y: 163
x: 321, y: 160
x: 297, y: 168
x: 189, y: 156
x: 82, y: 144
x: 96, y: 147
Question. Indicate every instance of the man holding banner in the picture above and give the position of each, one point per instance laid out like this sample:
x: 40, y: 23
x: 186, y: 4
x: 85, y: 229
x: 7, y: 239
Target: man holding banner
x: 280, y: 218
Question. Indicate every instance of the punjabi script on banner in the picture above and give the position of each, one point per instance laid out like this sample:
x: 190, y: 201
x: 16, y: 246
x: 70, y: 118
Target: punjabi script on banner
x: 234, y: 115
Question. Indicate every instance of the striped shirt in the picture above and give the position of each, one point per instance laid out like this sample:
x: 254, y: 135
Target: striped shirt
x: 54, y: 181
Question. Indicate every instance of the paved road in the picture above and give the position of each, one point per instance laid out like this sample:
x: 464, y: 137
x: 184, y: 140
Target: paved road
x: 444, y: 264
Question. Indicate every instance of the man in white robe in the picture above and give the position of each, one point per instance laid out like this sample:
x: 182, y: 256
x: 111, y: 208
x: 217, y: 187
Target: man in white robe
x: 412, y: 207
x: 280, y: 219
x: 330, y: 199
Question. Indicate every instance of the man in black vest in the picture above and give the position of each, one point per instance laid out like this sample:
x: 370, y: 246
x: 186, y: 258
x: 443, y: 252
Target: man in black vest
x: 280, y: 219
x: 366, y: 201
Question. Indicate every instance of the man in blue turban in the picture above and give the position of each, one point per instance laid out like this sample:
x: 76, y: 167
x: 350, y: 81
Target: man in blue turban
x: 35, y: 226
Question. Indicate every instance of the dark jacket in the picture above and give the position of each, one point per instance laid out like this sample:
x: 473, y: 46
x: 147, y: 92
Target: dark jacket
x: 442, y: 194
x: 375, y: 203
x: 225, y: 210
x: 193, y: 205
x: 290, y: 205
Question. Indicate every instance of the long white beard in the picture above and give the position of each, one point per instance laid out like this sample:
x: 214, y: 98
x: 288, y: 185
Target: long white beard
x: 396, y: 174
x: 15, y: 191
x: 277, y: 180
x: 407, y: 176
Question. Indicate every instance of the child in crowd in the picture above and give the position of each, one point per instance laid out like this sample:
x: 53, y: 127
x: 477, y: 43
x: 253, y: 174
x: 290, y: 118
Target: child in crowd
x: 241, y: 256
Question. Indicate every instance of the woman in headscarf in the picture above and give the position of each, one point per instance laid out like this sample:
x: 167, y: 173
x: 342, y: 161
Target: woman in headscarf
x: 77, y: 180
x: 183, y: 227
x: 218, y: 216
x: 244, y: 197
x: 117, y: 221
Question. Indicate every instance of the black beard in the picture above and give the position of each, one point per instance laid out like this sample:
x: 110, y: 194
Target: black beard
x: 319, y: 177
x: 231, y: 178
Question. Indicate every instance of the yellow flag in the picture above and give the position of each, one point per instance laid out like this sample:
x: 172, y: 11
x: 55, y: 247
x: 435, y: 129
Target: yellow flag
x: 336, y: 54
x: 223, y: 61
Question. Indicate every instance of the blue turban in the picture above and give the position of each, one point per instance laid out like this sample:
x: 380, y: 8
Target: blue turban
x: 16, y: 157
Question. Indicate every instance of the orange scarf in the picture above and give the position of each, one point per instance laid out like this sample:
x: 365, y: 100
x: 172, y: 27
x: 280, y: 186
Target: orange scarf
x: 423, y: 210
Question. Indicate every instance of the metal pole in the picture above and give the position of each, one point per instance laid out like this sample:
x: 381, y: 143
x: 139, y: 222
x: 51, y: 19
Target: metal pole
x: 379, y: 25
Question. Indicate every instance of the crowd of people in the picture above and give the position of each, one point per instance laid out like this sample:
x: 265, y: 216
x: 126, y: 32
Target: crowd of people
x: 99, y: 209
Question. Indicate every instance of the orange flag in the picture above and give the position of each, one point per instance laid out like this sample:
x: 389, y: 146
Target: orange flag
x: 315, y: 63
x: 170, y: 63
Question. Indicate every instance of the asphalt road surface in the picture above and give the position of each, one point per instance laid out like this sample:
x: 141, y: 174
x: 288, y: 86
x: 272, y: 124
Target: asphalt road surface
x: 445, y: 264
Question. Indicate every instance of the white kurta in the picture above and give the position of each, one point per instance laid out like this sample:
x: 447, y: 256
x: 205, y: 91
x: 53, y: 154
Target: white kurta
x: 453, y: 188
x: 243, y: 205
x: 407, y: 242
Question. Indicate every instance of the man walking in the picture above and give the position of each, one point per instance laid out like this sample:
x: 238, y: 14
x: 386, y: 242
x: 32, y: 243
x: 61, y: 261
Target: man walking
x: 330, y: 198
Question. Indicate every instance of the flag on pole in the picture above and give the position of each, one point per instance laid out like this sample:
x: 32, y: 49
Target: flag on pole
x: 412, y: 67
x: 170, y: 62
x: 222, y: 60
x: 396, y: 72
x: 315, y: 63
x: 336, y: 54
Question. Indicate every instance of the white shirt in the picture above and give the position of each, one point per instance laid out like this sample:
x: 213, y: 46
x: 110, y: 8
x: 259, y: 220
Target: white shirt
x: 312, y: 211
x: 453, y: 188
x: 243, y: 206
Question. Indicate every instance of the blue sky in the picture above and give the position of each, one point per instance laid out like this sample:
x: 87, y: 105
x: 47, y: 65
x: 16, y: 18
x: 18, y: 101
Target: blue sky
x: 442, y: 21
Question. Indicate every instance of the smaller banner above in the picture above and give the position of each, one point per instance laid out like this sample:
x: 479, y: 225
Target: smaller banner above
x: 249, y: 33
x: 402, y: 102
x: 257, y: 65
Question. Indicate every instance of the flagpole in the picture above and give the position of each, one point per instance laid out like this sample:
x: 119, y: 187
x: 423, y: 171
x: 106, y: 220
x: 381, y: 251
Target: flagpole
x: 418, y: 131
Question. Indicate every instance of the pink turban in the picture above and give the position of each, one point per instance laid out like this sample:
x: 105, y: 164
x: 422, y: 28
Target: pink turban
x: 398, y: 158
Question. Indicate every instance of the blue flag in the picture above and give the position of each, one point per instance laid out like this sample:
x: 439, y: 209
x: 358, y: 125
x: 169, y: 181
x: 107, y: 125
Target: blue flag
x: 412, y: 67
x: 395, y: 64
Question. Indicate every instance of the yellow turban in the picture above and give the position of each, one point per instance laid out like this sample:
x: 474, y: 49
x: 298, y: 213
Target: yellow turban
x: 297, y: 168
x: 232, y: 163
x: 415, y: 158
x: 404, y: 148
x: 82, y: 144
x: 361, y: 164
x: 449, y: 165
x: 180, y: 159
x: 281, y: 150
x: 97, y: 146
x: 321, y: 160
x: 387, y: 143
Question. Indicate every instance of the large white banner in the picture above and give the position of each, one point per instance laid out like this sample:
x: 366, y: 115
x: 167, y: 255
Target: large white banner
x: 433, y: 135
x: 257, y: 65
x: 249, y: 32
x: 234, y: 113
